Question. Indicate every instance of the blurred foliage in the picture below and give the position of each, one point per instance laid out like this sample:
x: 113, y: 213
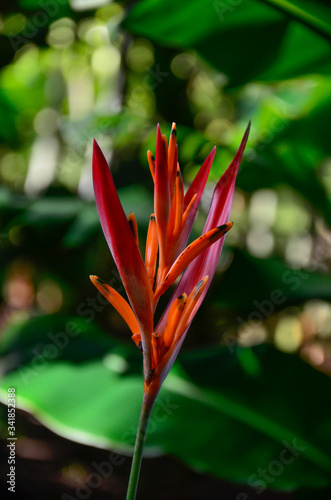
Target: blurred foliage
x: 110, y: 70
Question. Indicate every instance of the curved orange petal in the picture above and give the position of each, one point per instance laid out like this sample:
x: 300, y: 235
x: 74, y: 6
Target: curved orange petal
x: 118, y: 302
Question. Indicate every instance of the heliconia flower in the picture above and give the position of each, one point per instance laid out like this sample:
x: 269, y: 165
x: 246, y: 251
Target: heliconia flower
x: 166, y: 254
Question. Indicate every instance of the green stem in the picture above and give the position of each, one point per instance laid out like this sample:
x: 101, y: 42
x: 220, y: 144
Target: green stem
x: 146, y: 410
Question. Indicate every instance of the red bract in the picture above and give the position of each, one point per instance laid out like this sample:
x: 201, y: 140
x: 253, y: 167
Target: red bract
x: 166, y: 254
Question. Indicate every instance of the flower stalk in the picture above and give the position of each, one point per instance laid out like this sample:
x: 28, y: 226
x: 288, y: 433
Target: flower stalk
x: 146, y: 410
x: 166, y: 259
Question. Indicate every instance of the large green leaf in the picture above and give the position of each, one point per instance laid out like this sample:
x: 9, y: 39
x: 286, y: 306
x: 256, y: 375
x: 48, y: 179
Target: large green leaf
x: 256, y: 40
x: 225, y: 414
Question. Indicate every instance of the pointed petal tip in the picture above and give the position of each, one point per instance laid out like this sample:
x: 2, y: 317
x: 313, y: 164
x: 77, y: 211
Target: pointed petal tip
x: 96, y: 145
x: 246, y: 134
x: 158, y: 134
x: 242, y: 145
x: 98, y: 158
x: 224, y: 228
x: 202, y: 282
x: 96, y: 279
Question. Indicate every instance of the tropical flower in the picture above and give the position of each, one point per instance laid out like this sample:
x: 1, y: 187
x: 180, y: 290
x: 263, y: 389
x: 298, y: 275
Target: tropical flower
x: 166, y: 253
x: 166, y: 258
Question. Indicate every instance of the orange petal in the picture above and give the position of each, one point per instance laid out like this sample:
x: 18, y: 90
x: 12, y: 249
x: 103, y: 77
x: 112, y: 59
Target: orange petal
x: 117, y: 301
x: 161, y: 196
x: 172, y: 158
x: 191, y: 303
x: 195, y: 249
x: 156, y: 348
x: 175, y: 239
x: 151, y: 250
x: 176, y: 213
x: 165, y: 142
x: 151, y: 163
x: 134, y: 226
x: 188, y: 209
x: 136, y: 337
x: 171, y: 224
x: 179, y: 194
x: 175, y: 313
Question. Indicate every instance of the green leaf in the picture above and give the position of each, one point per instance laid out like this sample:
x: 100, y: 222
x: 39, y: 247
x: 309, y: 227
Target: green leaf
x: 49, y: 210
x: 225, y: 414
x: 85, y: 226
x: 314, y: 15
x: 256, y: 40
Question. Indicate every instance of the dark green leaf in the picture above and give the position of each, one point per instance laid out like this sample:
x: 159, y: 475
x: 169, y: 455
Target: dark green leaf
x: 256, y: 40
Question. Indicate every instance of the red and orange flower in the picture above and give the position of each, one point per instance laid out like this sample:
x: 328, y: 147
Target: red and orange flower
x: 166, y: 254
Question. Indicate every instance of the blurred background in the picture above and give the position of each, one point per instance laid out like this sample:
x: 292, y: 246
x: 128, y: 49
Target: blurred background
x: 252, y: 382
